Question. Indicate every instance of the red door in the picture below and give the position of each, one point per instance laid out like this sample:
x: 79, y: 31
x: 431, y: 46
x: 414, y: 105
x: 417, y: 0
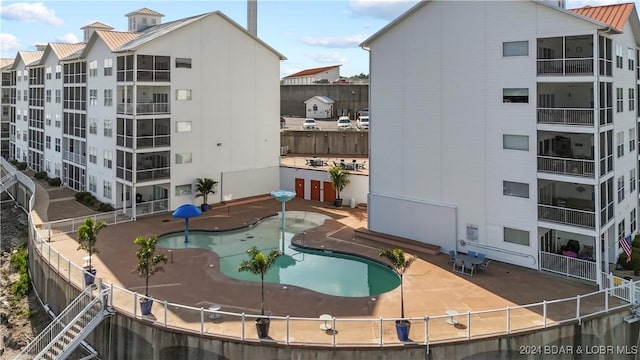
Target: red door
x: 315, y: 190
x: 300, y: 188
x: 329, y: 192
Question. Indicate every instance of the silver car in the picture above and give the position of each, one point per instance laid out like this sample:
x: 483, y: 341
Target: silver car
x: 310, y: 124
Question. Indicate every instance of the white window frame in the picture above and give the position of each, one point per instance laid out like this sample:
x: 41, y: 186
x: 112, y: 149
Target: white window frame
x: 515, y: 48
x: 515, y: 189
x: 511, y: 235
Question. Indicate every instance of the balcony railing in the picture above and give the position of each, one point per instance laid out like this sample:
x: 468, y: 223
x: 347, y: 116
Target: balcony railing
x: 152, y: 108
x: 565, y: 265
x: 566, y: 166
x: 566, y: 116
x: 153, y: 174
x: 152, y: 207
x: 123, y: 108
x: 76, y: 158
x: 582, y: 66
x: 153, y: 141
x: 568, y: 216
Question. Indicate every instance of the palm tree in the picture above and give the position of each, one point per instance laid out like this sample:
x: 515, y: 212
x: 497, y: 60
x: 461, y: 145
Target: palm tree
x: 88, y: 235
x: 258, y: 264
x: 400, y: 264
x: 148, y: 260
x: 204, y: 187
x: 339, y: 179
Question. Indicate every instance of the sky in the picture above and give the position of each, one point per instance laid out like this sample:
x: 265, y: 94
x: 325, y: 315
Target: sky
x: 309, y: 33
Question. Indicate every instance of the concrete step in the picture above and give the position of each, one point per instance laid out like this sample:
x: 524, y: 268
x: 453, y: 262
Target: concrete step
x: 396, y: 241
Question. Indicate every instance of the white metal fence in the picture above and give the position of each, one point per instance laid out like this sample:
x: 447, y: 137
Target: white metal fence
x: 71, y: 225
x: 574, y: 267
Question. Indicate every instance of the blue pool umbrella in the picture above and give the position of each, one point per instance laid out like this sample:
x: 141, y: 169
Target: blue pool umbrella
x: 185, y: 212
x: 283, y: 196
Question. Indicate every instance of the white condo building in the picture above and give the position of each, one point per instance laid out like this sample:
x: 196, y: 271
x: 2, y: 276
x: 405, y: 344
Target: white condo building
x: 508, y: 128
x: 135, y: 117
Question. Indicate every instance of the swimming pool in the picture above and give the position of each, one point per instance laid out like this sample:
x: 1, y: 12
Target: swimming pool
x: 327, y: 273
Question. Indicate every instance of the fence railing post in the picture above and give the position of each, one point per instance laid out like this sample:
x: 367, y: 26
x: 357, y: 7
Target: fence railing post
x: 578, y: 308
x: 544, y: 313
x: 426, y: 332
x: 242, y: 324
x: 508, y: 320
x: 334, y: 332
x: 201, y: 321
x: 166, y: 308
x: 468, y: 324
x: 135, y: 301
x: 287, y: 340
x: 381, y: 332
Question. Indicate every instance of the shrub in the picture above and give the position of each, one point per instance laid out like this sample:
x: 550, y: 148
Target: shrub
x: 636, y: 242
x: 40, y: 175
x: 80, y: 195
x: 55, y: 181
x: 21, y: 287
x: 634, y: 264
x: 88, y: 199
x: 104, y: 207
x: 19, y: 259
x: 21, y: 166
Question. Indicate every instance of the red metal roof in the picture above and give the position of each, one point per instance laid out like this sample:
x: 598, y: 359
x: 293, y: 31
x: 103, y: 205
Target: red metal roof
x: 614, y: 15
x: 312, y: 71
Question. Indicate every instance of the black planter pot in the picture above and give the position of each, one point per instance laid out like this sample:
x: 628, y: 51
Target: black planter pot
x: 337, y: 202
x: 402, y: 329
x: 89, y: 276
x: 204, y: 207
x: 262, y: 327
x: 145, y: 306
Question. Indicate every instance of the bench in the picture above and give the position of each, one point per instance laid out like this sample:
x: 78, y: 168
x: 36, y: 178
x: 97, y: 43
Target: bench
x: 396, y: 241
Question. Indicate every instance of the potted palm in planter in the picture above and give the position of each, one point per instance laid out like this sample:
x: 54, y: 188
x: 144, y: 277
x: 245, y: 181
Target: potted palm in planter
x: 339, y: 178
x: 87, y: 238
x: 148, y: 262
x: 400, y: 264
x: 259, y: 264
x: 204, y: 187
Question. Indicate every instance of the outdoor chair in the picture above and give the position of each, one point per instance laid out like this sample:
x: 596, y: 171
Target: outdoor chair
x: 452, y: 256
x: 468, y: 269
x: 363, y: 164
x: 480, y: 256
x: 484, y: 265
x: 472, y: 253
x: 458, y: 264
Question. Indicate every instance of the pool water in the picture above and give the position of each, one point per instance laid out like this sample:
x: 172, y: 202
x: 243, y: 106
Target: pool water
x: 324, y: 272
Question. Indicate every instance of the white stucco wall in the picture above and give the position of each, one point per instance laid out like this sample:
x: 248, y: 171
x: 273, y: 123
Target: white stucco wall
x: 53, y: 110
x: 357, y: 188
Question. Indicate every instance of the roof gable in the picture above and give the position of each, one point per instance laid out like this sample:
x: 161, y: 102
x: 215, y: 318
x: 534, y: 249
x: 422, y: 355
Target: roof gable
x: 144, y: 11
x: 27, y: 58
x: 312, y: 71
x: 112, y: 39
x: 97, y: 25
x: 324, y: 99
x: 61, y: 50
x: 614, y: 15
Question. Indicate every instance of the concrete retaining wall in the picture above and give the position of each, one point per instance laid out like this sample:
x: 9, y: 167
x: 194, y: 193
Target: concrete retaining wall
x: 123, y: 337
x: 348, y: 98
x: 336, y: 143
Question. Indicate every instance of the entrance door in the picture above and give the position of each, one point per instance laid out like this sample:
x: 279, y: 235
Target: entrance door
x: 329, y: 192
x: 300, y: 188
x: 315, y: 190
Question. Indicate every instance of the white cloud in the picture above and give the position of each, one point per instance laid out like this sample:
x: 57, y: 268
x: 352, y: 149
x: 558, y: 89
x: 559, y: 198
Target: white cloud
x: 30, y: 12
x: 327, y: 58
x: 380, y: 9
x: 336, y: 42
x: 68, y: 38
x: 9, y: 44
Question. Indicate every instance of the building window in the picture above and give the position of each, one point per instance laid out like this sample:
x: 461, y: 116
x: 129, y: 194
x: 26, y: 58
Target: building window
x: 515, y: 95
x: 108, y: 159
x: 183, y: 63
x: 19, y: 94
x: 183, y: 126
x: 183, y: 94
x: 93, y: 126
x: 57, y: 144
x: 48, y: 71
x: 632, y: 220
x: 515, y: 236
x: 515, y: 142
x: 48, y: 96
x: 106, y: 189
x: 108, y: 128
x: 183, y: 189
x: 58, y: 96
x: 108, y: 97
x: 58, y: 71
x: 57, y: 123
x: 620, y: 143
x: 516, y: 189
x: 47, y: 142
x: 620, y: 188
x: 93, y: 68
x: 108, y: 67
x: 47, y: 118
x: 632, y: 99
x: 631, y: 53
x: 619, y: 60
x: 47, y: 166
x: 93, y: 154
x: 93, y: 97
x: 621, y: 230
x: 183, y: 158
x: 619, y: 100
x: 632, y: 180
x: 92, y: 183
x: 515, y: 48
x: 632, y: 140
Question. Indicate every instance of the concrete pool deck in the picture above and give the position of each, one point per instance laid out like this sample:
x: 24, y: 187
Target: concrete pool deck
x: 430, y: 287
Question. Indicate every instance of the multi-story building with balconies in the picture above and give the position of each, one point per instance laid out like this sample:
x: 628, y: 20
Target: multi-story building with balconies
x: 136, y: 117
x: 512, y: 131
x: 5, y: 107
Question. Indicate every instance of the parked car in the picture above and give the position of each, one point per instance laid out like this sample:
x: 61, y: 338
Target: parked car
x: 283, y: 122
x: 310, y: 124
x: 344, y: 123
x: 363, y: 122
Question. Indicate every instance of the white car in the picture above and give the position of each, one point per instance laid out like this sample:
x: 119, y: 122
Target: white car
x: 344, y: 123
x: 310, y: 124
x: 363, y: 122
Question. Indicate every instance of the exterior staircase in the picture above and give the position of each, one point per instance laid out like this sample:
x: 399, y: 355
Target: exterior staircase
x: 7, y: 181
x: 68, y: 330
